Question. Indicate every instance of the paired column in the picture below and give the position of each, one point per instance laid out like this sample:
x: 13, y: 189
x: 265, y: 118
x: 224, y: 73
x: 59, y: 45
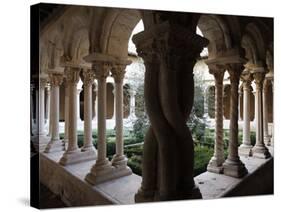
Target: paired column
x: 88, y: 79
x: 265, y: 112
x: 233, y: 165
x: 102, y: 169
x: 246, y: 148
x: 119, y: 159
x: 259, y: 150
x: 215, y: 164
x: 55, y: 144
x: 42, y: 86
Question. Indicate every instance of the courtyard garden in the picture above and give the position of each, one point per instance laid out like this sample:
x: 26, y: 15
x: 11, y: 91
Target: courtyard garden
x: 133, y: 147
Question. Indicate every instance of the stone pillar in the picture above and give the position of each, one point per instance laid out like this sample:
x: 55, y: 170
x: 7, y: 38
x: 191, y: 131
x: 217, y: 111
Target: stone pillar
x: 73, y: 153
x: 47, y: 114
x: 31, y: 109
x: 265, y: 112
x: 55, y: 144
x: 169, y: 51
x: 78, y: 104
x: 259, y: 150
x: 233, y: 165
x: 206, y: 114
x: 88, y: 79
x: 272, y: 132
x: 42, y: 106
x: 96, y: 102
x: 66, y: 114
x: 114, y: 102
x: 215, y: 164
x: 119, y: 159
x: 102, y: 169
x: 37, y: 111
x: 50, y: 112
x: 246, y: 147
x: 132, y: 104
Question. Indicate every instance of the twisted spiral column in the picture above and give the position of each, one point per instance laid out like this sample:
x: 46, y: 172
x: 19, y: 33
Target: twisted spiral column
x: 233, y: 165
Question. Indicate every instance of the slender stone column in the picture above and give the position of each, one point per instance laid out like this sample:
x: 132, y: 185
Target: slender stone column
x: 71, y: 155
x: 265, y: 112
x: 272, y: 131
x: 50, y: 112
x: 55, y: 144
x: 114, y: 102
x: 96, y: 102
x: 31, y: 109
x: 37, y: 111
x: 47, y: 104
x: 233, y: 165
x: 119, y: 159
x: 206, y: 114
x: 246, y: 148
x: 78, y: 104
x: 132, y: 104
x: 88, y: 79
x: 102, y: 169
x: 42, y: 106
x: 215, y: 164
x: 259, y: 150
x: 66, y: 114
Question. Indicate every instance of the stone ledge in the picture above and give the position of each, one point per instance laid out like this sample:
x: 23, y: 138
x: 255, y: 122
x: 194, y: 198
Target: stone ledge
x: 68, y: 182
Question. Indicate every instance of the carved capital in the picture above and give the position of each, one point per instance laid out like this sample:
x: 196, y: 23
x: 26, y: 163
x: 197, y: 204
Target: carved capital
x: 259, y: 77
x: 43, y: 83
x: 87, y: 77
x: 72, y: 75
x: 118, y: 72
x: 55, y: 79
x: 101, y: 70
x: 235, y: 70
x: 218, y: 72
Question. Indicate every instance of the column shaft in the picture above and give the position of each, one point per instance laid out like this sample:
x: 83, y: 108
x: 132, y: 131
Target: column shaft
x: 265, y: 112
x: 55, y: 125
x: 42, y: 107
x: 66, y: 113
x: 215, y: 164
x: 246, y: 148
x: 55, y: 144
x: 233, y: 166
x: 259, y: 150
x: 101, y: 120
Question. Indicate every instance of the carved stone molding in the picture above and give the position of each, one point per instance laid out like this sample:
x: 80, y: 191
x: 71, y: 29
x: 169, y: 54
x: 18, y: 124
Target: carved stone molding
x: 101, y: 70
x: 55, y: 79
x: 118, y: 72
x: 72, y: 75
x: 87, y: 77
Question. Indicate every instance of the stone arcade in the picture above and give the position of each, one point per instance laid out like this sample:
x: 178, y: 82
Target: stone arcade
x: 83, y: 48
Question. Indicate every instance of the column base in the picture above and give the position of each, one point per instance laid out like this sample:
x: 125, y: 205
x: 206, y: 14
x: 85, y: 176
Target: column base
x: 76, y: 157
x: 245, y: 150
x: 89, y: 149
x: 54, y: 146
x: 215, y: 166
x: 104, y: 171
x: 234, y: 168
x: 261, y: 152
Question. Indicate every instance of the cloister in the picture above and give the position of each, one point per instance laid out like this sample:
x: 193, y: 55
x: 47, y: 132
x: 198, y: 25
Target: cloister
x: 82, y: 82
